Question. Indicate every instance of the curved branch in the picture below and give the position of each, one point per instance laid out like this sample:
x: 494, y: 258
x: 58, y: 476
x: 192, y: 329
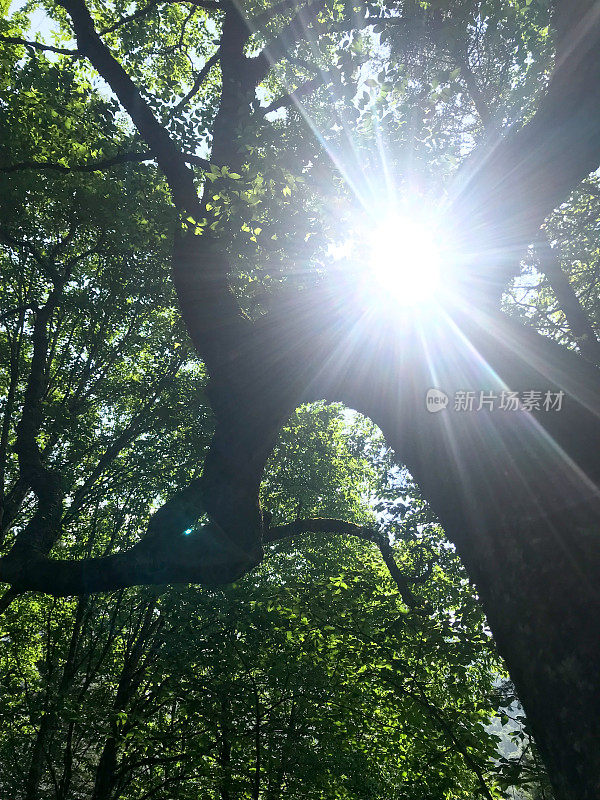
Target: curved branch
x: 171, y: 553
x: 339, y: 527
x: 200, y: 78
x: 264, y: 17
x: 282, y: 44
x: 137, y: 14
x: 294, y: 97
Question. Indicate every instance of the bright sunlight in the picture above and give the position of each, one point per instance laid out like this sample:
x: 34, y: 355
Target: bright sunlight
x: 405, y: 258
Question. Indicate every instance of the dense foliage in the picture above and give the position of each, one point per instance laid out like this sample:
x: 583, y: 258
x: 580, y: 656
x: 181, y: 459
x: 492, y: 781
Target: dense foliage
x: 309, y: 677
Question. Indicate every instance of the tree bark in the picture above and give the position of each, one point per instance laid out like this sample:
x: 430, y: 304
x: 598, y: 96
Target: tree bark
x: 517, y: 493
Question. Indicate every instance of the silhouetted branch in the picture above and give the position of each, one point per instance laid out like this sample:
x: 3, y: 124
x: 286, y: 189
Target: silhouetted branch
x: 293, y: 98
x: 169, y: 157
x: 578, y: 321
x: 97, y: 166
x: 339, y: 527
x: 287, y: 38
x: 137, y: 14
x: 200, y: 78
x: 39, y: 46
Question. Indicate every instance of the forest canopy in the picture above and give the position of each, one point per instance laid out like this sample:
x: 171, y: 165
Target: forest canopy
x: 244, y: 248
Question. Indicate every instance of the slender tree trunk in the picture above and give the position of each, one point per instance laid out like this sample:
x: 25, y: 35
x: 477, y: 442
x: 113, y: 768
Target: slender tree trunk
x: 577, y: 319
x: 290, y: 735
x: 106, y: 769
x: 65, y: 781
x: 257, y: 745
x: 134, y: 668
x: 225, y: 751
x: 38, y: 754
x: 49, y: 720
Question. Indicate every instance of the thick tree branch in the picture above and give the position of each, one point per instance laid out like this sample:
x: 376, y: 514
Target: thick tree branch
x: 200, y: 263
x: 169, y: 157
x: 44, y: 527
x: 167, y: 554
x: 15, y: 342
x: 505, y: 191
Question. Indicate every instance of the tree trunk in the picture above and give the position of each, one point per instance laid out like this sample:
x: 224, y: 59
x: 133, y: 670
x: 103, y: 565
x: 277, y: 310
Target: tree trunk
x: 540, y: 593
x: 224, y: 758
x: 106, y: 770
x: 136, y: 661
x: 49, y: 720
x: 38, y: 754
x: 516, y: 492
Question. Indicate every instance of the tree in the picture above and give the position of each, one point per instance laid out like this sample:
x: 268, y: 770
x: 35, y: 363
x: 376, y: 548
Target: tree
x: 517, y: 493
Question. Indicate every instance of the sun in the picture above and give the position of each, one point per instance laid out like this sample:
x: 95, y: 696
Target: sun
x: 405, y: 258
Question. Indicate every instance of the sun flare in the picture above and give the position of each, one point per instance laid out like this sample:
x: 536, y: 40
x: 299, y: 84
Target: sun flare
x: 405, y: 259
